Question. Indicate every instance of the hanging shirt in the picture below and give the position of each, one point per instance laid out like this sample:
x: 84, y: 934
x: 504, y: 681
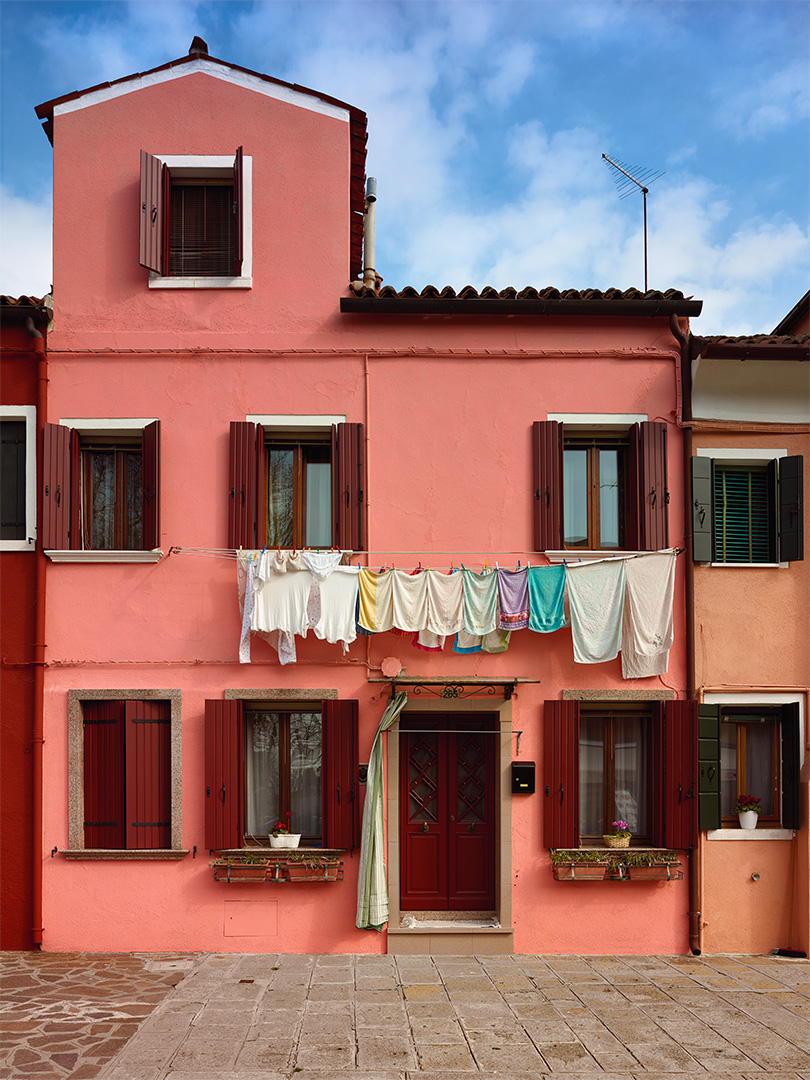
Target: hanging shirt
x: 480, y: 601
x: 546, y: 595
x: 647, y: 625
x: 338, y: 606
x: 513, y: 599
x: 596, y: 601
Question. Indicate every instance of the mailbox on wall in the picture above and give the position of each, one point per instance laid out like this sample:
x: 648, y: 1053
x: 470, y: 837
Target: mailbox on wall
x: 522, y: 777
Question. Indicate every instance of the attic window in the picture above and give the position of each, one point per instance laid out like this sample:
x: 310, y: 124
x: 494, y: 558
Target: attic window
x: 195, y: 221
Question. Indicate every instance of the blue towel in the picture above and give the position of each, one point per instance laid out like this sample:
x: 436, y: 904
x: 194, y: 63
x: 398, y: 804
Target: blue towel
x: 546, y: 592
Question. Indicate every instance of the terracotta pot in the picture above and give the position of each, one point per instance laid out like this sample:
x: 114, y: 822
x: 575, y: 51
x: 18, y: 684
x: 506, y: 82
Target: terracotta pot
x: 748, y: 819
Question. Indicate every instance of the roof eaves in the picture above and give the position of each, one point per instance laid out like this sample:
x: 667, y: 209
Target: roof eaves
x: 797, y: 312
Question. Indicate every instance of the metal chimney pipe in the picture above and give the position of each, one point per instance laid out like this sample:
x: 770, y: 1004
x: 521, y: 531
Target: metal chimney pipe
x: 369, y: 273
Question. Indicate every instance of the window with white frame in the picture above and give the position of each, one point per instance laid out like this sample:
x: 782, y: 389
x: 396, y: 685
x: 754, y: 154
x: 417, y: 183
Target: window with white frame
x: 18, y: 460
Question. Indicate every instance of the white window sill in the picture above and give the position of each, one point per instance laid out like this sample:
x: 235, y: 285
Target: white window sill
x: 158, y: 282
x: 750, y: 565
x: 749, y: 834
x: 106, y: 556
x: 18, y: 545
x: 579, y: 555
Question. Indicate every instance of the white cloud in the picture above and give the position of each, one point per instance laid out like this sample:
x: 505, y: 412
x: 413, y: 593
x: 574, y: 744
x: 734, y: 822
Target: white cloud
x: 767, y: 103
x: 514, y: 66
x: 25, y: 254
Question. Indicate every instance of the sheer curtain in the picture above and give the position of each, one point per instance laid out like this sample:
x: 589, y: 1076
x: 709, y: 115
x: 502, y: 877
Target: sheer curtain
x: 261, y: 772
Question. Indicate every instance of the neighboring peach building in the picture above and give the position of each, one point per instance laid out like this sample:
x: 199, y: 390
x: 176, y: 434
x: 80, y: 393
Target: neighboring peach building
x: 217, y: 384
x: 750, y: 424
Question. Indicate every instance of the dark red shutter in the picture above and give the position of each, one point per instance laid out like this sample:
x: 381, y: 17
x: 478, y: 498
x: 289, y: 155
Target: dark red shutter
x: 55, y: 488
x: 154, y: 175
x: 791, y: 524
x: 245, y: 442
x: 680, y: 774
x: 348, y: 486
x: 104, y: 810
x: 224, y: 775
x: 148, y: 774
x: 238, y: 212
x: 791, y: 766
x: 547, y: 489
x: 339, y: 772
x: 151, y: 477
x: 561, y: 774
x: 648, y: 475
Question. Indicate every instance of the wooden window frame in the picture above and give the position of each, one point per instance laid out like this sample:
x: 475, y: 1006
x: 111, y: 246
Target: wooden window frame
x: 306, y: 448
x: 592, y: 445
x: 121, y: 448
x: 609, y: 715
x: 211, y: 223
x: 739, y: 716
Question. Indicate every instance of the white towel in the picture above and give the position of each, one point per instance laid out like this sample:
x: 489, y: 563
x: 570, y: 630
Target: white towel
x: 596, y: 601
x: 445, y: 603
x: 647, y: 625
x: 409, y: 599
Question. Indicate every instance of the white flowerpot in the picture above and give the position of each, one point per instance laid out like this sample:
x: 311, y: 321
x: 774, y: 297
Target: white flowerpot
x: 285, y: 840
x: 748, y: 819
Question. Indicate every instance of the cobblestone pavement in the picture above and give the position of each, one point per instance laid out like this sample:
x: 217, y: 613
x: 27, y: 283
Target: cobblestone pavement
x: 275, y: 1017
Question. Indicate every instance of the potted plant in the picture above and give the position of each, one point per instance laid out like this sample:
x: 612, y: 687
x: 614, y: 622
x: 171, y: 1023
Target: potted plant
x: 620, y: 836
x: 748, y: 808
x: 312, y: 868
x: 652, y: 865
x: 281, y: 837
x: 579, y: 864
x: 239, y: 868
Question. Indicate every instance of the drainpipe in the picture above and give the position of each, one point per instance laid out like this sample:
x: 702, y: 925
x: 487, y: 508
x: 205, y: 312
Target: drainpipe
x: 39, y: 643
x: 369, y: 254
x: 695, y: 854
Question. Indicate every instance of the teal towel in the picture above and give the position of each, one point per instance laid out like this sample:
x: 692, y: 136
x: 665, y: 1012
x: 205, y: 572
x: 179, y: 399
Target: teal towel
x: 546, y: 592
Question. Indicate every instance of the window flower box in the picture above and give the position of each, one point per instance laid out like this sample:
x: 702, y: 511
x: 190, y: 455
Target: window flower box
x: 278, y: 866
x: 626, y: 864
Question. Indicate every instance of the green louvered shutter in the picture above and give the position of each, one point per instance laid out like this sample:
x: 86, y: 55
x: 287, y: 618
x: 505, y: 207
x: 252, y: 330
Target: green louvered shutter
x: 709, y: 766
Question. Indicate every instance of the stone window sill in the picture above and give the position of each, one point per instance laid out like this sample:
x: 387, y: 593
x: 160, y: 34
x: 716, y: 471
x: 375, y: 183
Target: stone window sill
x: 106, y: 556
x: 159, y: 854
x: 750, y: 834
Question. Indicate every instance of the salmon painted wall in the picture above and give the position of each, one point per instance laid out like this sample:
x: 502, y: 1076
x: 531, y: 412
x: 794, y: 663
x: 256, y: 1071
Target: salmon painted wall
x: 449, y: 470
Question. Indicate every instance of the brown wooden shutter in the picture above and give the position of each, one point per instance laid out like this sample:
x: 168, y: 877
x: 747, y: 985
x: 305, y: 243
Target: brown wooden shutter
x: 154, y: 180
x: 348, y: 486
x: 151, y: 479
x: 238, y: 212
x: 653, y: 492
x: 224, y: 774
x: 148, y: 774
x: 104, y: 809
x: 680, y: 774
x: 547, y: 502
x: 561, y: 774
x: 246, y: 466
x: 791, y: 766
x: 55, y: 488
x: 791, y: 513
x: 339, y: 772
x: 702, y: 488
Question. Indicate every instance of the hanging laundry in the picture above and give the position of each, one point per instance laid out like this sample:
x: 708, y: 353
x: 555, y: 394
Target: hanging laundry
x: 513, y: 599
x: 596, y: 600
x: 480, y: 601
x: 376, y: 607
x: 445, y: 603
x: 338, y: 604
x: 497, y: 641
x: 428, y: 641
x: 466, y: 643
x: 546, y: 595
x: 282, y: 604
x: 246, y: 588
x: 647, y: 625
x: 409, y: 600
x: 321, y: 563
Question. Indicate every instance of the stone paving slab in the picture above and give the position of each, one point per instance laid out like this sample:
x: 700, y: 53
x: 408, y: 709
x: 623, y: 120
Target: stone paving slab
x: 278, y: 1017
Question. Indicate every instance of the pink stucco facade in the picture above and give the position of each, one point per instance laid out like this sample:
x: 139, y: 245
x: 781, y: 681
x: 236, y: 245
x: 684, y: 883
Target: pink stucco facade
x: 447, y: 404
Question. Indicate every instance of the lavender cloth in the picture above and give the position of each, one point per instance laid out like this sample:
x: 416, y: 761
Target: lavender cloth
x: 513, y: 599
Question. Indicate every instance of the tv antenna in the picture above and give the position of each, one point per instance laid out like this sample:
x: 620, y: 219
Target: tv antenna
x: 624, y: 183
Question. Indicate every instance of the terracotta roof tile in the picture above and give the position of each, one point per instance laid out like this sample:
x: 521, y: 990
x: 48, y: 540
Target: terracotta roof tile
x: 488, y: 292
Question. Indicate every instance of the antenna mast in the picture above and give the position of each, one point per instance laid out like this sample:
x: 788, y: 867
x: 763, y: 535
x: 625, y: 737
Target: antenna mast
x: 625, y: 188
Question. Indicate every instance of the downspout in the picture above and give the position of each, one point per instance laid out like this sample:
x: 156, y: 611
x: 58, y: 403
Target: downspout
x: 39, y: 644
x: 695, y: 854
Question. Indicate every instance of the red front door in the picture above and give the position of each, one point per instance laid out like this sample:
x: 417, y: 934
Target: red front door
x: 447, y: 812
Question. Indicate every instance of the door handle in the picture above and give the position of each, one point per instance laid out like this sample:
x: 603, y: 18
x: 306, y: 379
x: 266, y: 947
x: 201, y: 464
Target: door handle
x: 424, y: 826
x: 471, y: 827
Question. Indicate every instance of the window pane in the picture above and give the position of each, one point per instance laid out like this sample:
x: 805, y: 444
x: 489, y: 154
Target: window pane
x: 728, y: 769
x: 12, y: 480
x: 102, y: 500
x: 201, y: 224
x: 575, y: 496
x: 261, y: 772
x: 280, y: 498
x: 591, y: 775
x: 630, y: 769
x: 133, y: 509
x: 609, y: 498
x: 319, y: 504
x: 759, y: 764
x: 305, y: 773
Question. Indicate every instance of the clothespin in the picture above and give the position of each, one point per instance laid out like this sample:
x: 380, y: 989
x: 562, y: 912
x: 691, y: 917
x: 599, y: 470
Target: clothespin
x: 518, y: 566
x: 419, y: 567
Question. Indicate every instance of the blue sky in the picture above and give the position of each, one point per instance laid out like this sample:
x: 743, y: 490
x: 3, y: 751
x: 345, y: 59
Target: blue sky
x: 487, y: 122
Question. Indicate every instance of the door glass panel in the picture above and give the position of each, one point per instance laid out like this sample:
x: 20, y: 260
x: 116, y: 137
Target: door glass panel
x: 305, y: 773
x: 471, y: 779
x: 575, y: 496
x: 609, y: 498
x: 423, y: 788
